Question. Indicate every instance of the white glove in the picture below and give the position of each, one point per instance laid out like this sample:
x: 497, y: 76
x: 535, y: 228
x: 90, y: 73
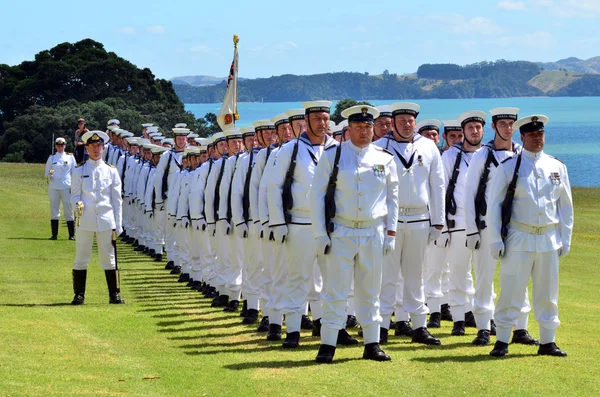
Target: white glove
x: 210, y: 228
x: 564, y: 251
x: 224, y: 227
x: 434, y: 234
x: 443, y: 240
x: 389, y: 244
x: 497, y: 250
x: 278, y: 233
x: 241, y: 230
x: 473, y: 241
x: 202, y: 224
x: 323, y: 244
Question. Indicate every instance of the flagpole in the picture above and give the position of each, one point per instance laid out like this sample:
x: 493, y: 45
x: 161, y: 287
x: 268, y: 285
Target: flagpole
x: 236, y: 116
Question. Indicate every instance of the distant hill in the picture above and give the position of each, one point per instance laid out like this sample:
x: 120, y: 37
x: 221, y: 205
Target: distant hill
x: 199, y: 81
x: 573, y: 64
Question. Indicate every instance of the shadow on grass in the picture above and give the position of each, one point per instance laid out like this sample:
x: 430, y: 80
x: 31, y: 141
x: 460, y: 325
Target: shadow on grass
x: 36, y: 304
x: 409, y: 346
x: 282, y: 364
x: 484, y: 356
x: 212, y: 325
x: 212, y: 335
x: 34, y: 238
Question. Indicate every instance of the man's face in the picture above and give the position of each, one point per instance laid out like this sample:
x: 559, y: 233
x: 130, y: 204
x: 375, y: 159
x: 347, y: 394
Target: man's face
x: 269, y: 136
x: 431, y: 134
x: 285, y: 132
x: 180, y: 142
x: 155, y: 158
x: 382, y: 126
x: 298, y: 126
x: 203, y: 157
x: 194, y: 162
x: 167, y: 145
x: 185, y: 163
x: 318, y: 123
x: 222, y: 147
x: 95, y: 150
x: 148, y: 155
x: 504, y: 128
x: 361, y: 133
x: 211, y: 151
x: 453, y: 137
x: 192, y: 142
x: 405, y: 124
x: 134, y: 150
x: 473, y: 132
x: 533, y: 141
x: 234, y: 145
x: 60, y: 147
x: 338, y: 137
x: 250, y: 142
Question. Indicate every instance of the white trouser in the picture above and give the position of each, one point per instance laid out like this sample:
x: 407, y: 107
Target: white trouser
x: 266, y: 278
x: 223, y: 257
x: 233, y: 268
x: 361, y: 257
x: 210, y: 262
x: 126, y: 211
x: 156, y: 233
x: 461, y: 288
x: 278, y: 268
x: 251, y: 270
x: 182, y: 252
x: 169, y: 237
x: 195, y: 253
x: 304, y: 280
x: 131, y: 224
x: 435, y: 263
x: 485, y: 269
x: 515, y: 269
x: 83, y: 249
x: 56, y: 196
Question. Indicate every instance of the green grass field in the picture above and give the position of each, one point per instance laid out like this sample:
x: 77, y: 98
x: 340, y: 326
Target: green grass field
x: 167, y: 341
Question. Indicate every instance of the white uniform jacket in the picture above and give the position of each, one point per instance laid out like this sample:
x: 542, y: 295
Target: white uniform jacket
x: 62, y: 166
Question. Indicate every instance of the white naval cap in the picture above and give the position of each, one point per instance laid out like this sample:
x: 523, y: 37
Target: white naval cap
x: 247, y: 131
x: 113, y: 122
x: 203, y: 148
x: 146, y: 125
x: 193, y: 150
x: 159, y: 138
x: 112, y: 128
x: 152, y: 129
x: 531, y: 123
x: 192, y: 135
x: 316, y: 106
x: 153, y: 134
x: 168, y: 141
x: 201, y: 141
x: 295, y: 114
x: 94, y: 137
x: 384, y: 111
x: 281, y: 118
x: 263, y: 125
x: 338, y: 129
x: 331, y: 124
x: 504, y: 113
x: 156, y: 149
x: 232, y: 133
x: 218, y: 137
x: 60, y: 140
x: 343, y: 124
x: 126, y: 134
x: 409, y: 108
x: 132, y: 141
x: 360, y: 114
x: 144, y: 143
x: 180, y: 131
x: 451, y: 125
x: 425, y: 125
x: 180, y: 125
x: 470, y: 116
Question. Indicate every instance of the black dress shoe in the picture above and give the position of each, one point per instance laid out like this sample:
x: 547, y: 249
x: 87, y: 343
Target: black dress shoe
x: 434, y: 320
x: 136, y: 243
x: 158, y: 258
x: 550, y: 349
x: 351, y: 322
x: 422, y: 335
x: 220, y: 301
x: 205, y: 289
x: 306, y: 322
x: 274, y: 332
x: 392, y: 324
x: 446, y: 313
x: 190, y: 282
x: 146, y: 251
x: 374, y: 352
x: 264, y: 324
x: 130, y: 240
x: 196, y: 285
x: 316, y: 327
x: 482, y: 339
x: 492, y: 328
x: 383, y: 336
x: 458, y: 329
x: 292, y: 340
x: 170, y: 265
x: 345, y: 339
x: 403, y: 329
x: 251, y: 317
x: 152, y: 253
x: 183, y: 278
x: 115, y: 299
x: 325, y: 354
x: 521, y: 336
x: 470, y: 320
x: 78, y: 299
x: 360, y: 333
x: 244, y: 311
x: 500, y: 349
x: 212, y: 293
x: 176, y: 270
x: 72, y: 238
x: 139, y: 248
x: 232, y: 306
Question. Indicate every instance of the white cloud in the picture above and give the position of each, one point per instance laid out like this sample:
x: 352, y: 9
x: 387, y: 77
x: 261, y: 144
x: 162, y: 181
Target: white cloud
x: 542, y: 3
x: 570, y: 8
x: 157, y: 29
x: 531, y: 41
x: 127, y: 30
x: 511, y: 5
x: 460, y: 24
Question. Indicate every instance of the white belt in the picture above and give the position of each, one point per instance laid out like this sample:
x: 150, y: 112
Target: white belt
x: 357, y: 224
x: 537, y: 230
x: 403, y: 211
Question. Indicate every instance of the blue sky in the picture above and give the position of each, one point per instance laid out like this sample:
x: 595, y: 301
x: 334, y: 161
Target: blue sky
x: 183, y: 37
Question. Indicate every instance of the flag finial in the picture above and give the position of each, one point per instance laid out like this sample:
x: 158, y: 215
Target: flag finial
x: 236, y: 40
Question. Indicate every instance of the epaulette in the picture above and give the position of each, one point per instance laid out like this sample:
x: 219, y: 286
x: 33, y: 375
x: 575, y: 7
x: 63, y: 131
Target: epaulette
x: 383, y: 150
x: 509, y: 158
x: 110, y: 165
x: 556, y: 158
x: 70, y: 154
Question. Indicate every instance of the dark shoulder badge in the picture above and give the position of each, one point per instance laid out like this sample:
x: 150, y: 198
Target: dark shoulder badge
x: 508, y: 159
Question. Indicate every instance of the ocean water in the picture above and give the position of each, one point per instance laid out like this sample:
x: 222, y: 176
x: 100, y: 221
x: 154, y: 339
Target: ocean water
x: 572, y: 135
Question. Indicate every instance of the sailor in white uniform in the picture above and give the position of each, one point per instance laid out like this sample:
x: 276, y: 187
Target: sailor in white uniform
x: 359, y: 234
x: 96, y: 192
x: 59, y: 168
x: 528, y: 233
x: 420, y: 219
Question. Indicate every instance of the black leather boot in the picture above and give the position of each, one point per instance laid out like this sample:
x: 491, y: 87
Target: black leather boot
x: 458, y: 329
x: 244, y: 311
x: 54, y: 227
x: 158, y: 258
x: 500, y: 349
x: 113, y: 287
x: 264, y: 324
x: 345, y: 339
x: 251, y: 317
x: 403, y: 328
x: 470, y: 320
x: 176, y: 270
x: 292, y: 340
x: 483, y: 338
x: 183, y: 278
x: 550, y: 349
x: 325, y: 354
x: 221, y: 301
x: 79, y: 278
x: 316, y: 327
x: 306, y: 322
x: 374, y: 352
x: 446, y: 313
x: 422, y: 335
x: 521, y: 336
x: 434, y: 320
x: 71, y: 227
x: 274, y: 332
x: 232, y: 306
x: 170, y: 265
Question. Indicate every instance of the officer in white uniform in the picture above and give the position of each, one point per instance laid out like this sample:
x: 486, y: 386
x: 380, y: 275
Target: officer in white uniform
x: 420, y: 219
x: 59, y: 168
x: 538, y: 233
x: 481, y: 172
x: 131, y: 164
x: 156, y: 237
x: 96, y: 192
x: 109, y: 146
x: 364, y: 228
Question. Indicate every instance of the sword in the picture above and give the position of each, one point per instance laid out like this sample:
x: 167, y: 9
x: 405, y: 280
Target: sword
x: 79, y: 212
x: 114, y: 244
